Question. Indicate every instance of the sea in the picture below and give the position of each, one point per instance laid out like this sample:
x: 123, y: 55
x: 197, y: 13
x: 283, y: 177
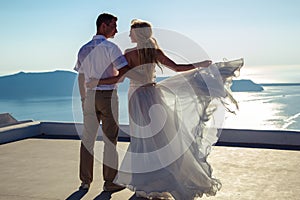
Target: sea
x: 277, y: 107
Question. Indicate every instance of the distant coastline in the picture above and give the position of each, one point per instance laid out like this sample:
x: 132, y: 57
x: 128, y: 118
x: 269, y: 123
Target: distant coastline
x: 24, y: 85
x: 61, y: 83
x: 280, y: 84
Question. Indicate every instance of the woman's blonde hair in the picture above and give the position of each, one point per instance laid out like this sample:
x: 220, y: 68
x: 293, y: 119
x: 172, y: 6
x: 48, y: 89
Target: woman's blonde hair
x: 146, y: 45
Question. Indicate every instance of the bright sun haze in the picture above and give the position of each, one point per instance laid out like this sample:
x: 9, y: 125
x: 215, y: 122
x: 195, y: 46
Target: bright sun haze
x: 46, y: 35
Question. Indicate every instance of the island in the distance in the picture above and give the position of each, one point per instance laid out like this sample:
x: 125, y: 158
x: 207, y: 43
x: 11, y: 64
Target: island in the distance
x: 245, y: 85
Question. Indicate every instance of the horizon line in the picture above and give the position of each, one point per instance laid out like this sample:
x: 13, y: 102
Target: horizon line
x: 159, y: 75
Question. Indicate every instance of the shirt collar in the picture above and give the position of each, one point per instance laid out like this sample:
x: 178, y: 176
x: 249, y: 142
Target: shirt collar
x: 97, y: 37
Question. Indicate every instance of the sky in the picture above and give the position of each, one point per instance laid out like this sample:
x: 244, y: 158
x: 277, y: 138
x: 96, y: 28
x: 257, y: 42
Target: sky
x: 46, y: 35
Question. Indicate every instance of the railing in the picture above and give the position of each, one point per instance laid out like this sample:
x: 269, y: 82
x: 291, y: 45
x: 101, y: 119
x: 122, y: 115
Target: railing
x: 282, y: 139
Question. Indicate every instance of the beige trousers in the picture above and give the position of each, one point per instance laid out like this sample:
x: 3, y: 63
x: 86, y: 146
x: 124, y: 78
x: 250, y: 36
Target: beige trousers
x: 99, y: 106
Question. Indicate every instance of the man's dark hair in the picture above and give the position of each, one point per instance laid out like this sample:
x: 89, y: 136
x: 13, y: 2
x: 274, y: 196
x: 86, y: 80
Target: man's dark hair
x: 105, y: 18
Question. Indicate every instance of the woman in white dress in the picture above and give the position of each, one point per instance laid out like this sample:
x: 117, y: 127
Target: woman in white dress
x: 173, y: 122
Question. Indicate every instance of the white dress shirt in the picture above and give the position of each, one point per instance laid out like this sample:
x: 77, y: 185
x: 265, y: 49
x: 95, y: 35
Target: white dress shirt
x: 100, y: 59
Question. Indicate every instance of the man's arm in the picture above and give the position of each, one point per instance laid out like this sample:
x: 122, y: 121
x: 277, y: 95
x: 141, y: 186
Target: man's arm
x: 82, y: 89
x: 129, y: 73
x: 123, y: 72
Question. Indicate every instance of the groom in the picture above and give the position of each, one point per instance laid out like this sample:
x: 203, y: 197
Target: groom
x: 100, y: 59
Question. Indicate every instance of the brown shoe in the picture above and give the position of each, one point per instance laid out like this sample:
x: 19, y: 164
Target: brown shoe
x: 111, y: 187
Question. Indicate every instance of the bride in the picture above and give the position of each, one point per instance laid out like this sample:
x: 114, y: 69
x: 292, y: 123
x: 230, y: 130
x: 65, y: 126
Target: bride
x: 173, y: 123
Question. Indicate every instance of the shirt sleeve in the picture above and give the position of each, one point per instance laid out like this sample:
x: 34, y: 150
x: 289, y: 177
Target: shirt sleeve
x: 118, y: 59
x: 78, y: 67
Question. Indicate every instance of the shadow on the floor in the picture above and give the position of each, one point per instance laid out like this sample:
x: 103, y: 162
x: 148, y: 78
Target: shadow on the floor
x: 103, y: 196
x: 77, y: 195
x: 134, y: 197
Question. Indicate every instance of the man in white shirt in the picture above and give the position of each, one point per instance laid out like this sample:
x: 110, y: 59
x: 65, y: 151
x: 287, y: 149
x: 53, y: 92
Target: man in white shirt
x: 100, y: 59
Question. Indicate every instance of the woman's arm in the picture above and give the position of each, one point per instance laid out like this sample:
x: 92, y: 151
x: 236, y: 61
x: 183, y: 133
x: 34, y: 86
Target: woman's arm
x: 163, y: 59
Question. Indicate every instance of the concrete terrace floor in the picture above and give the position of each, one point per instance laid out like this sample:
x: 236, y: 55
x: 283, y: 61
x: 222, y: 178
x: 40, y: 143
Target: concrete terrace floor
x: 47, y: 169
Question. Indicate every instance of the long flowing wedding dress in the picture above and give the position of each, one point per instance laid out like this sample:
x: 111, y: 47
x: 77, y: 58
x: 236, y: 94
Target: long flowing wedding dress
x: 173, y: 125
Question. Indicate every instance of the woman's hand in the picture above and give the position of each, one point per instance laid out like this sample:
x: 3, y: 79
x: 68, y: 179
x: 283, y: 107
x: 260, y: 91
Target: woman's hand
x: 205, y: 63
x: 92, y: 83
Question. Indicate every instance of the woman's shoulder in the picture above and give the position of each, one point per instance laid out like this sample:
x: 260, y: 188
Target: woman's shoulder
x: 131, y: 56
x: 130, y: 50
x: 131, y: 53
